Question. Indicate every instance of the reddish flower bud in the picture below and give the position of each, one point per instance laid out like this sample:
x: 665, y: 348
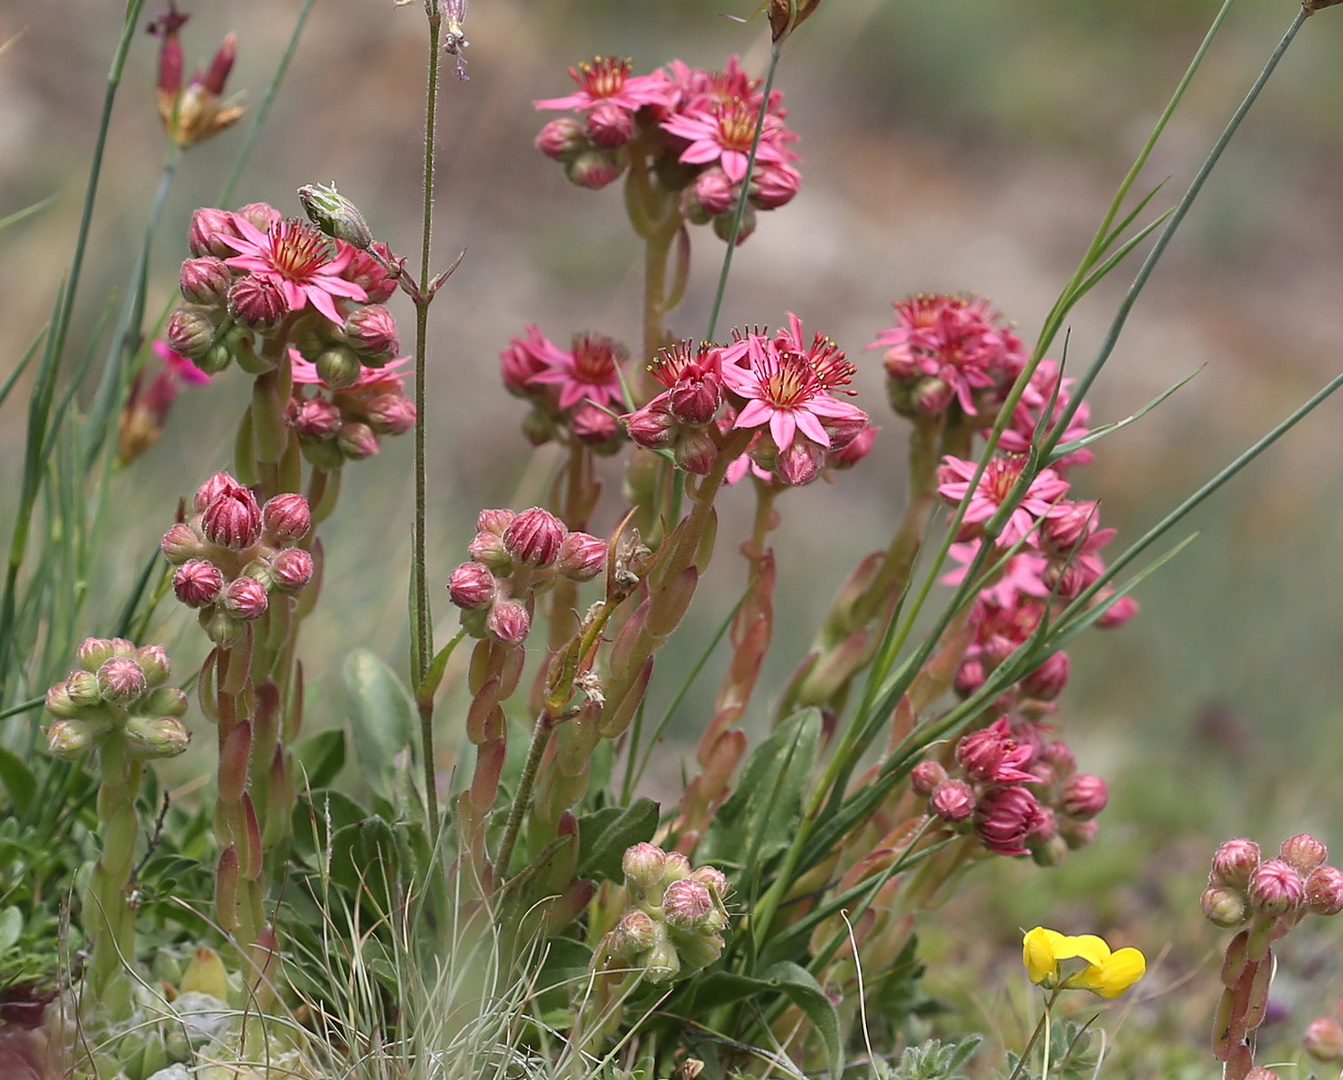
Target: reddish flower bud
x: 205, y: 280
x: 1233, y: 863
x: 1323, y: 1039
x: 952, y: 800
x: 494, y: 521
x: 472, y: 586
x: 593, y: 426
x: 653, y: 426
x: 357, y: 441
x: 610, y: 125
x: 181, y: 543
x: 931, y: 396
x: 925, y: 776
x: 774, y: 185
x: 991, y: 754
x: 292, y: 569
x: 154, y: 662
x: 1067, y: 526
x: 581, y: 556
x: 1324, y: 890
x: 245, y: 598
x: 1084, y: 796
x: 687, y: 904
x: 1303, y: 853
x: 190, y: 333
x: 232, y: 519
x: 1275, y: 888
x: 218, y: 484
x: 286, y: 518
x: 391, y: 414
x: 316, y: 418
x: 1004, y: 817
x: 695, y: 396
x: 94, y: 652
x: 562, y: 139
x: 857, y: 448
x: 643, y: 865
x: 121, y: 679
x: 1222, y: 906
x: 1047, y: 681
x: 1060, y: 756
x: 371, y: 275
x: 508, y: 621
x: 489, y: 549
x: 714, y: 193
x: 371, y: 331
x: 799, y: 462
x: 594, y: 169
x: 207, y: 226
x: 533, y: 538
x: 969, y: 677
x: 197, y: 583
x: 636, y: 933
x: 257, y: 302
x: 711, y: 878
x: 1118, y: 613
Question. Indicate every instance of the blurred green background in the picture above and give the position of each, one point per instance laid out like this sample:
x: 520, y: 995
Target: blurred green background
x: 949, y: 145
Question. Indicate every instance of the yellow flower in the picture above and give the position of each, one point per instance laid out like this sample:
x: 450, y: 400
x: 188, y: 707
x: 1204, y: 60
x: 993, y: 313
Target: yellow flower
x: 1107, y: 973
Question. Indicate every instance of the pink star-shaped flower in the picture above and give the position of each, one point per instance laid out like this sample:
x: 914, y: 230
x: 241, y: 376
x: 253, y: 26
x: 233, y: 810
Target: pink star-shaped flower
x: 300, y: 260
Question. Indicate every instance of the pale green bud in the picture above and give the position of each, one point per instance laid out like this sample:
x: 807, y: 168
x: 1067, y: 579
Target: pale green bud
x: 335, y: 215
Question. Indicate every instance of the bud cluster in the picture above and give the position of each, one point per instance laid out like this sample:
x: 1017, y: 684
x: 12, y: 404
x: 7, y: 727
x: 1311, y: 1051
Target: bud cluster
x: 1015, y: 791
x: 233, y: 555
x: 336, y: 425
x: 117, y: 691
x: 1266, y: 897
x: 513, y: 557
x: 575, y: 393
x: 675, y: 918
x: 690, y: 129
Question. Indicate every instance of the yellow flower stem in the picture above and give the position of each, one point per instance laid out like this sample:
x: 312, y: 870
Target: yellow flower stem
x: 1042, y: 1026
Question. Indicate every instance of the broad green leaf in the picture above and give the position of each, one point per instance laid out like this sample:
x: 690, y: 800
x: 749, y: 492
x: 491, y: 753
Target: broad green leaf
x: 604, y: 835
x: 382, y: 716
x: 18, y: 780
x: 760, y: 817
x: 11, y: 926
x: 322, y: 757
x: 314, y: 811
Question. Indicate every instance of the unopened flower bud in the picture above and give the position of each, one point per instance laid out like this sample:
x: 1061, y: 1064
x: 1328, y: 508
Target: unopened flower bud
x: 233, y: 519
x: 181, y: 543
x: 83, y: 689
x: 357, y: 441
x: 1078, y: 833
x: 472, y: 586
x: 952, y: 800
x: 190, y: 333
x: 1118, y: 613
x: 1323, y: 1039
x: 494, y: 521
x: 165, y: 701
x: 1233, y: 863
x: 799, y: 462
x: 292, y: 569
x: 1047, y: 681
x: 207, y: 226
x: 562, y: 139
x: 696, y: 453
x: 1303, y: 853
x: 687, y: 904
x: 1048, y: 851
x: 261, y: 215
x: 857, y: 448
x: 699, y: 949
x: 581, y: 556
x: 68, y: 739
x: 652, y: 426
x: 722, y: 224
x: 488, y: 548
x: 197, y: 583
x: 339, y: 366
x: 508, y: 621
x: 257, y: 302
x: 335, y: 215
x: 245, y: 598
x: 594, y: 169
x: 675, y: 868
x: 636, y: 933
x: 609, y: 124
x: 925, y: 776
x: 1275, y: 888
x: 205, y: 280
x: 662, y: 963
x: 1084, y: 796
x: 643, y: 865
x: 159, y: 737
x: 371, y: 332
x: 1324, y: 890
x: 774, y: 185
x: 391, y: 414
x: 592, y: 425
x: 154, y: 662
x: 94, y: 652
x: 1060, y: 756
x: 60, y: 704
x: 538, y: 427
x: 715, y: 194
x: 218, y: 484
x: 286, y: 518
x: 121, y: 680
x: 969, y: 677
x: 533, y: 538
x: 316, y: 418
x: 711, y: 878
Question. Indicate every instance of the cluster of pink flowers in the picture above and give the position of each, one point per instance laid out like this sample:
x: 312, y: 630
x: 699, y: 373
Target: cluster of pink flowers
x: 696, y: 126
x: 513, y: 557
x: 575, y: 392
x: 335, y: 424
x: 1017, y: 789
x: 234, y: 556
x: 782, y: 387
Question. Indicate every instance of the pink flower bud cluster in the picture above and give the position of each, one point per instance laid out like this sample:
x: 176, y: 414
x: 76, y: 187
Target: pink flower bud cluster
x: 674, y: 922
x: 1015, y: 791
x: 575, y: 393
x: 783, y: 387
x: 234, y: 556
x: 336, y: 424
x: 117, y: 691
x: 513, y: 557
x: 700, y: 126
x: 255, y: 276
x: 1267, y: 897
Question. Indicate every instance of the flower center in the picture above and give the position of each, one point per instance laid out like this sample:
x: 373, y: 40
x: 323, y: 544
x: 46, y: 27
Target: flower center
x: 789, y: 381
x: 736, y: 125
x: 682, y: 360
x: 603, y: 76
x: 595, y: 359
x: 1001, y: 476
x: 297, y: 250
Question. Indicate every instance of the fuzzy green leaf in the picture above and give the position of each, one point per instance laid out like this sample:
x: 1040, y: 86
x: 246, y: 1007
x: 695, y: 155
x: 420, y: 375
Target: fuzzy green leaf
x: 322, y: 757
x: 604, y: 835
x: 382, y: 716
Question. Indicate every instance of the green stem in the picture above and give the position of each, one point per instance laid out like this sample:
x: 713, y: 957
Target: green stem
x: 263, y: 111
x: 522, y: 800
x: 1041, y: 1026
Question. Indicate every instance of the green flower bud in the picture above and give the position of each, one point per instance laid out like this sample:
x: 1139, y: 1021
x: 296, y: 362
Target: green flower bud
x: 339, y: 366
x: 153, y: 660
x: 83, y: 689
x: 159, y: 737
x: 335, y: 215
x: 68, y: 739
x: 662, y: 964
x: 166, y: 701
